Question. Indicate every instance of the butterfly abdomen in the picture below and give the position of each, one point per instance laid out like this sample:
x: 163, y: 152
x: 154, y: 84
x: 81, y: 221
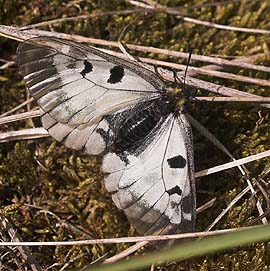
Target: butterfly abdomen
x: 139, y: 125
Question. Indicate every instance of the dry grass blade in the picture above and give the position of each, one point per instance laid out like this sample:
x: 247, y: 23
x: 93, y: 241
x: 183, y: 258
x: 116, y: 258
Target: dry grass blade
x: 80, y: 17
x: 206, y: 205
x: 148, y: 7
x: 7, y: 65
x: 214, y: 88
x: 175, y: 11
x: 21, y: 116
x: 126, y: 252
x: 150, y: 238
x: 213, y: 73
x: 20, y: 34
x: 241, y: 62
x: 233, y: 202
x: 233, y: 99
x: 15, y: 33
x: 232, y: 164
x: 264, y: 192
x: 219, y: 145
x: 140, y: 4
x: 152, y: 3
x: 17, y: 107
x: 24, y: 250
x: 238, y: 62
x: 23, y: 134
x: 226, y: 27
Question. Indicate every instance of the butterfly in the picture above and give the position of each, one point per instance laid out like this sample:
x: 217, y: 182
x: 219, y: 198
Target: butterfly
x: 101, y: 104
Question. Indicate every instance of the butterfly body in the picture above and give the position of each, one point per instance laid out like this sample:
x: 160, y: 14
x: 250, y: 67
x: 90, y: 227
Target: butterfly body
x: 138, y: 126
x: 98, y: 103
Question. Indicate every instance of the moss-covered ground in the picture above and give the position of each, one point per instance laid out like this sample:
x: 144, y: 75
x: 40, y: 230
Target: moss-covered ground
x: 49, y: 192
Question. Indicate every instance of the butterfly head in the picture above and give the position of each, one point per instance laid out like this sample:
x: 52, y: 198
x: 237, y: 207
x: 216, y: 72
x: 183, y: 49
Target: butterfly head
x: 182, y: 94
x: 179, y: 98
x: 166, y: 105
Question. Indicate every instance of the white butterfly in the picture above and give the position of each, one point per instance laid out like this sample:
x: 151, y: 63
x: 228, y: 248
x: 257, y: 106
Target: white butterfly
x: 96, y: 102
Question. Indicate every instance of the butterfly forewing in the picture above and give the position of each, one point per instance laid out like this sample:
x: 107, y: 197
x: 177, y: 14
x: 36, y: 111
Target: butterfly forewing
x: 75, y: 85
x: 96, y: 102
x: 78, y: 85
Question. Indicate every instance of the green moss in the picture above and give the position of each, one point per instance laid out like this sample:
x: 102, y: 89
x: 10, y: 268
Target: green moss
x: 51, y: 193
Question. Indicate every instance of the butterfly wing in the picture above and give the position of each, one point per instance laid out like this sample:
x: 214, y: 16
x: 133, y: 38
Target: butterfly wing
x: 76, y: 86
x: 85, y: 94
x: 155, y: 186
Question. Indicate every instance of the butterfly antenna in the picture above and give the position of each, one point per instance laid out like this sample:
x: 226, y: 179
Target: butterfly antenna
x: 185, y: 92
x: 188, y: 62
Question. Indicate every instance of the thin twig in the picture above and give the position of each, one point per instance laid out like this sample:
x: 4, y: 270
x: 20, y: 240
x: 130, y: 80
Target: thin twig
x: 216, y: 4
x: 237, y: 198
x: 23, y: 134
x: 123, y: 254
x: 81, y: 17
x: 175, y: 11
x: 18, y: 34
x: 14, y: 33
x: 233, y: 99
x: 7, y: 65
x: 210, y: 87
x: 206, y: 206
x: 37, y: 113
x: 218, y: 144
x: 121, y: 240
x: 17, y: 107
x: 24, y: 250
x: 232, y: 164
x: 153, y: 3
x: 21, y: 116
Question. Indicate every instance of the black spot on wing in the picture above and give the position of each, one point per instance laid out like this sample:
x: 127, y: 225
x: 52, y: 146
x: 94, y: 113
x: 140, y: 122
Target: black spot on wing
x: 177, y: 162
x: 188, y: 204
x: 175, y: 190
x: 116, y: 75
x: 88, y: 67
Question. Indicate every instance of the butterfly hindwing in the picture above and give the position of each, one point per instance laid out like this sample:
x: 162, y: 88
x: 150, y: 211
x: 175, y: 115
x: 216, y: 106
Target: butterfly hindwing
x: 155, y: 188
